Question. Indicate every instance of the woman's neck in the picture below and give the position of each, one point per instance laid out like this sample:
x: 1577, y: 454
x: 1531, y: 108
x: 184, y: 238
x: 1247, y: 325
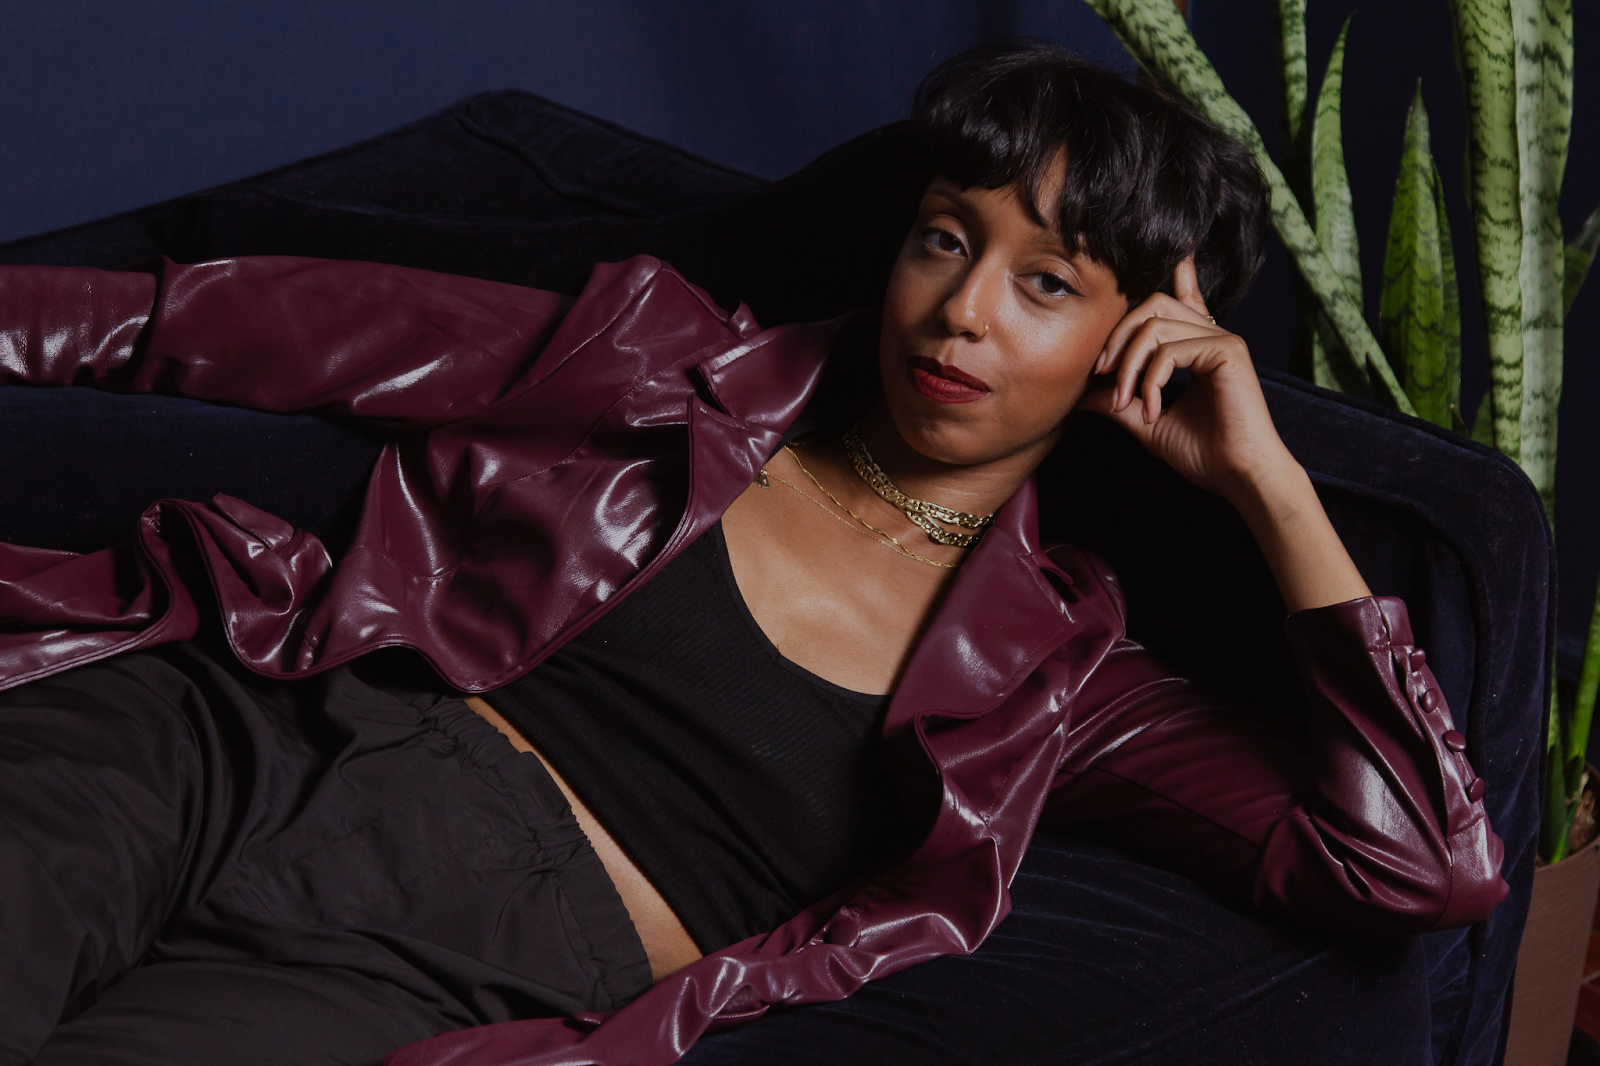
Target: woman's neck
x: 980, y: 488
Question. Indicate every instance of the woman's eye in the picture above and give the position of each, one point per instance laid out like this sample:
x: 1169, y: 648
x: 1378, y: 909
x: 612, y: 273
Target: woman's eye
x: 942, y: 240
x: 1054, y: 284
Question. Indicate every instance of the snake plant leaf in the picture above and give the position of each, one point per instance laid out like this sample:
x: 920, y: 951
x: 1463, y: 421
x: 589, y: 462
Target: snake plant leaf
x: 1485, y: 55
x: 1542, y: 30
x: 1577, y: 269
x: 1411, y: 311
x: 1307, y: 357
x: 1584, y: 699
x: 1483, y: 423
x: 1333, y: 213
x: 1290, y: 16
x: 1160, y: 40
x: 1580, y: 254
x: 1556, y: 822
x: 1452, y: 296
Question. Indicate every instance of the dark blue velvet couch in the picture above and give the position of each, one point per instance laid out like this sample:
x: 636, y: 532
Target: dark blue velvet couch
x: 1107, y: 958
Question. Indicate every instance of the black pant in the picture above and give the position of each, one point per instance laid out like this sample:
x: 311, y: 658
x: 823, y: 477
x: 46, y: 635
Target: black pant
x: 198, y: 865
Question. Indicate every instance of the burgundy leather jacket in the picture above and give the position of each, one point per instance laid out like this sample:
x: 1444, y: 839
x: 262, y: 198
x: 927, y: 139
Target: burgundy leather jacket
x: 547, y: 456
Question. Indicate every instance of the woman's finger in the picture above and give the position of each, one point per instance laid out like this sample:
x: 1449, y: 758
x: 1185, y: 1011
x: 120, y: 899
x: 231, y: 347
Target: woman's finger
x: 1132, y: 322
x: 1159, y: 305
x: 1102, y: 401
x: 1200, y: 355
x: 1186, y: 287
x: 1134, y: 356
x: 1151, y: 334
x: 1157, y: 374
x: 1192, y: 353
x: 1112, y: 352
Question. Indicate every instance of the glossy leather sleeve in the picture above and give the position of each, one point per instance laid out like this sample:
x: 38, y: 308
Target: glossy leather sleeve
x: 397, y: 347
x: 1376, y: 826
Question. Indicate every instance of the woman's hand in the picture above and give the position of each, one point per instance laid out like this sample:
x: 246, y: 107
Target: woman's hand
x: 1220, y: 436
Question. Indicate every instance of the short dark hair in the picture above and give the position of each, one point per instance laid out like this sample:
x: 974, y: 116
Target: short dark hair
x: 1149, y: 178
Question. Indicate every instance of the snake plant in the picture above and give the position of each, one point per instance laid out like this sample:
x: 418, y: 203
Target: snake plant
x: 1159, y: 39
x: 1419, y: 314
x: 1515, y: 60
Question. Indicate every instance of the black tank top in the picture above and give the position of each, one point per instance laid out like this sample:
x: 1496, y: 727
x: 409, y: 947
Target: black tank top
x: 744, y: 786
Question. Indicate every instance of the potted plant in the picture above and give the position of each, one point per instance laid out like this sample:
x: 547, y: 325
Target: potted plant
x: 1516, y: 60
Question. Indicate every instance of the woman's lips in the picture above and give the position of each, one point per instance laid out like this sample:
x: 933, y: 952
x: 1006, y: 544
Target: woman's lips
x: 947, y: 384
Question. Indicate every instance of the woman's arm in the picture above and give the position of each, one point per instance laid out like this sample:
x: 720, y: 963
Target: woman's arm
x: 1310, y: 562
x: 1376, y: 826
x: 398, y: 347
x: 1220, y: 436
x: 1379, y: 825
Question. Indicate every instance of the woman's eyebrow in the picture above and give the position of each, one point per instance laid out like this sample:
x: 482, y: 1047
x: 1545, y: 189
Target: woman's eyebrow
x: 1049, y: 240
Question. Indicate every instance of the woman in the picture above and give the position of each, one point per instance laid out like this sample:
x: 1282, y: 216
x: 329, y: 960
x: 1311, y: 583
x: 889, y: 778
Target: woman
x: 797, y: 709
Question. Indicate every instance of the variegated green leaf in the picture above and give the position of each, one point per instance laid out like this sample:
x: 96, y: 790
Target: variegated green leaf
x: 1485, y: 53
x: 1334, y: 216
x: 1556, y: 822
x: 1160, y: 40
x: 1578, y: 262
x: 1584, y: 699
x: 1306, y: 358
x: 1542, y: 30
x: 1580, y: 254
x: 1452, y: 296
x: 1292, y: 85
x: 1411, y: 313
x: 1334, y: 211
x: 1483, y: 424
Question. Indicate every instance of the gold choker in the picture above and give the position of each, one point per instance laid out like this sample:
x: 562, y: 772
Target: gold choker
x: 926, y: 515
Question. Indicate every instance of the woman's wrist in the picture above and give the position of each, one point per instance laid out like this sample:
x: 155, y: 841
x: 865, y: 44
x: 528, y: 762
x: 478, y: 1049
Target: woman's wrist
x: 1281, y: 507
x: 1271, y: 490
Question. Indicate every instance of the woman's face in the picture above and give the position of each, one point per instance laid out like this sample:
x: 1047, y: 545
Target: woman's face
x: 990, y: 327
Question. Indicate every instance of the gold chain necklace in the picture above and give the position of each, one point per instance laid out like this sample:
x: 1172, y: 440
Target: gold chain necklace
x: 926, y: 515
x: 892, y: 543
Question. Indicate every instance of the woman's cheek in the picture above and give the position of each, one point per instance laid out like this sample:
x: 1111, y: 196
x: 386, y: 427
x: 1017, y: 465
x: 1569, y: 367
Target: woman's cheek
x: 1059, y: 378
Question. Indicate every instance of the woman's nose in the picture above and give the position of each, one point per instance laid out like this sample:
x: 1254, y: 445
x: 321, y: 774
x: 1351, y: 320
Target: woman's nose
x: 969, y: 309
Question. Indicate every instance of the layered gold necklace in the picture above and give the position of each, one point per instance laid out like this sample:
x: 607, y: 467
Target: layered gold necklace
x: 926, y: 515
x: 921, y: 512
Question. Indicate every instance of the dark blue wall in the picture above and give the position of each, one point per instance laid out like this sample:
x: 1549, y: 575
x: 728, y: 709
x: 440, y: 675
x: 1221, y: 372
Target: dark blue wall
x: 110, y: 106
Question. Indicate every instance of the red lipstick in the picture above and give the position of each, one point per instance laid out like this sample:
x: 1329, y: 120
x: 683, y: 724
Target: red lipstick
x: 946, y: 384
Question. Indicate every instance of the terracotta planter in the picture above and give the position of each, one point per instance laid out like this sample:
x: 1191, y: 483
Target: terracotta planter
x: 1550, y: 961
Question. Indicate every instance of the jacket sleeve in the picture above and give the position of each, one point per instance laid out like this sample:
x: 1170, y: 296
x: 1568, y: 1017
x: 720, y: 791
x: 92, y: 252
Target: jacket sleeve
x: 397, y: 347
x: 1377, y: 826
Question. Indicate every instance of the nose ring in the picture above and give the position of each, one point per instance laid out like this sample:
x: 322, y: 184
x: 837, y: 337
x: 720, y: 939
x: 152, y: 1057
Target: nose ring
x: 985, y: 332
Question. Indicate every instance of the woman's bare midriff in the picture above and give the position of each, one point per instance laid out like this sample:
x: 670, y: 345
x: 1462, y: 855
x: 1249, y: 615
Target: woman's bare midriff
x: 666, y: 942
x: 829, y: 599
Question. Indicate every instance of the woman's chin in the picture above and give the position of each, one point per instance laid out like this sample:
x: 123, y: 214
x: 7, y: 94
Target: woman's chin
x: 952, y: 434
